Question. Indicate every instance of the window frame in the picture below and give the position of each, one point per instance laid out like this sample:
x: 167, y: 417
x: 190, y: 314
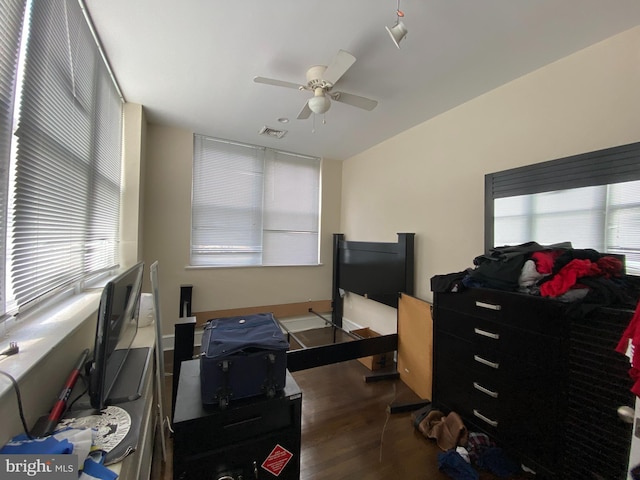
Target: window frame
x: 601, y: 167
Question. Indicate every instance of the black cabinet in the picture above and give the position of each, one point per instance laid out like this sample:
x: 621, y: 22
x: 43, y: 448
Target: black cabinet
x: 518, y: 368
x: 254, y: 438
x: 597, y: 384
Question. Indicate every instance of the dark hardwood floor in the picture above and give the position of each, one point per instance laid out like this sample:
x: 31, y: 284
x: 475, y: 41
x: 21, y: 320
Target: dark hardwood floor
x: 347, y: 432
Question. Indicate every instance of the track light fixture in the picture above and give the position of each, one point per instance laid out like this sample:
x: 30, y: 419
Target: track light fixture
x: 399, y: 30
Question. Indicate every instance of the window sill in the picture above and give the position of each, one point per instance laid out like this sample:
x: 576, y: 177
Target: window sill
x: 40, y: 333
x: 207, y: 267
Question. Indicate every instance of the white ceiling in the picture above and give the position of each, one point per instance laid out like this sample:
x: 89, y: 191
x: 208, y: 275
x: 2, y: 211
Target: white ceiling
x: 191, y: 63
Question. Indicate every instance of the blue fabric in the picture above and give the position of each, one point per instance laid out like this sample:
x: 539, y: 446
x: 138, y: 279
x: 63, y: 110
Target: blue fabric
x: 228, y: 335
x: 95, y: 470
x: 496, y: 461
x: 456, y: 467
x: 20, y: 444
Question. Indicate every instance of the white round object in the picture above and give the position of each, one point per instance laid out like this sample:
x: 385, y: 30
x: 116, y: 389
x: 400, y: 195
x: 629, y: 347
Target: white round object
x: 109, y: 427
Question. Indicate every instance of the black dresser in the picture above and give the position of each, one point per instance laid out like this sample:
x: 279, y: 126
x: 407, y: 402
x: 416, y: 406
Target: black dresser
x: 544, y: 385
x: 253, y: 438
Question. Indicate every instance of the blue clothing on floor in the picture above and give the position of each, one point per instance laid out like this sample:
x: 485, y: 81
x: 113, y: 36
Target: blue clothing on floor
x: 456, y: 467
x: 496, y: 461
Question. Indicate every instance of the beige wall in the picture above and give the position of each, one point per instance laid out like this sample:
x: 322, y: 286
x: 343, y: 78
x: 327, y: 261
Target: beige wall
x: 430, y: 179
x: 133, y: 184
x: 41, y: 383
x: 167, y: 224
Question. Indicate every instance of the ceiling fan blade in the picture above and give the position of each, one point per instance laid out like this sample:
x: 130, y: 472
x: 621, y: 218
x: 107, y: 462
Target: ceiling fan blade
x: 355, y: 100
x: 305, y: 112
x: 277, y: 83
x: 338, y: 67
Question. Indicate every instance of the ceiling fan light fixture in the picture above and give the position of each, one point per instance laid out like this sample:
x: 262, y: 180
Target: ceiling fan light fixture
x: 321, y: 79
x: 397, y: 32
x: 320, y: 103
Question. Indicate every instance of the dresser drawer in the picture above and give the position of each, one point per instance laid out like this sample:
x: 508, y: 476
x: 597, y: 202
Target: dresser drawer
x: 500, y: 383
x: 485, y: 367
x: 492, y: 340
x: 479, y: 402
x: 521, y: 415
x: 455, y: 392
x: 527, y: 312
x: 523, y: 370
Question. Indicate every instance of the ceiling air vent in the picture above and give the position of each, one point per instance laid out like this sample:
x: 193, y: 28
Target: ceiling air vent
x: 272, y: 132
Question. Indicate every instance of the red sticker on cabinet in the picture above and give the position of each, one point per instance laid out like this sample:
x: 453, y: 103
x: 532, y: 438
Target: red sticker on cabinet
x: 277, y: 460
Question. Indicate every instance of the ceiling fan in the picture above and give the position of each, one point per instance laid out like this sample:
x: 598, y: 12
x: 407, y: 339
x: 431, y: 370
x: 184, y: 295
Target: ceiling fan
x: 321, y: 80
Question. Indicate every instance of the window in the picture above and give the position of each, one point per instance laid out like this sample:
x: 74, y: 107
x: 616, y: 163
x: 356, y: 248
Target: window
x: 253, y: 206
x: 591, y: 200
x: 11, y: 24
x: 62, y: 215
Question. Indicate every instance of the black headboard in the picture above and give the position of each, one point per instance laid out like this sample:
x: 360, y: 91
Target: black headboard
x: 376, y: 270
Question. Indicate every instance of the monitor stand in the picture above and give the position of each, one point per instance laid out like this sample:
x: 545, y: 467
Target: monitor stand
x: 130, y: 379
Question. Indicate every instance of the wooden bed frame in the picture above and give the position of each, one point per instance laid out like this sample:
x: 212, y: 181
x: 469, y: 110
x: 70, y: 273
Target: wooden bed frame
x: 378, y: 271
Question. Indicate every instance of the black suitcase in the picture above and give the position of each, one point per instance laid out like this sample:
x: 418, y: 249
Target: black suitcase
x: 242, y: 357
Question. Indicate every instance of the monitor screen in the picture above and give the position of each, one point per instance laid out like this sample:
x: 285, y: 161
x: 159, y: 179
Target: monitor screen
x: 116, y: 328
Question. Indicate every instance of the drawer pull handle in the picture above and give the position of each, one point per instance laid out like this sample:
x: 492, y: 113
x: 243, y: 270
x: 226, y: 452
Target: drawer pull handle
x: 493, y: 423
x: 491, y: 393
x: 489, y: 306
x: 242, y: 423
x: 486, y: 362
x: 484, y: 333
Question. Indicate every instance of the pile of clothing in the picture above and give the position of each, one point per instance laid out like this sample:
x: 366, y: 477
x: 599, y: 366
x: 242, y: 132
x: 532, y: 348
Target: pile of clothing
x: 556, y: 271
x: 462, y: 449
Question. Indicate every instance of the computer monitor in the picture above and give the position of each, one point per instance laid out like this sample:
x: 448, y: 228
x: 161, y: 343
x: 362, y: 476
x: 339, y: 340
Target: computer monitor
x: 116, y: 328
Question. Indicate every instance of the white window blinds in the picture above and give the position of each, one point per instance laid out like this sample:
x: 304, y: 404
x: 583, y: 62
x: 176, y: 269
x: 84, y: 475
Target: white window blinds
x: 11, y: 23
x: 291, y: 209
x: 253, y: 206
x: 67, y: 175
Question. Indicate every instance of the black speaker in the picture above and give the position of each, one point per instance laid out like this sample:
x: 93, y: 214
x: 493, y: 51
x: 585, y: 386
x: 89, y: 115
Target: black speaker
x: 186, y: 292
x: 184, y: 338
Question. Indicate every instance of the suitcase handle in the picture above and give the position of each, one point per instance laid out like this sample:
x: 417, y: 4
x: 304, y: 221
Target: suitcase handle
x: 224, y: 390
x: 270, y: 383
